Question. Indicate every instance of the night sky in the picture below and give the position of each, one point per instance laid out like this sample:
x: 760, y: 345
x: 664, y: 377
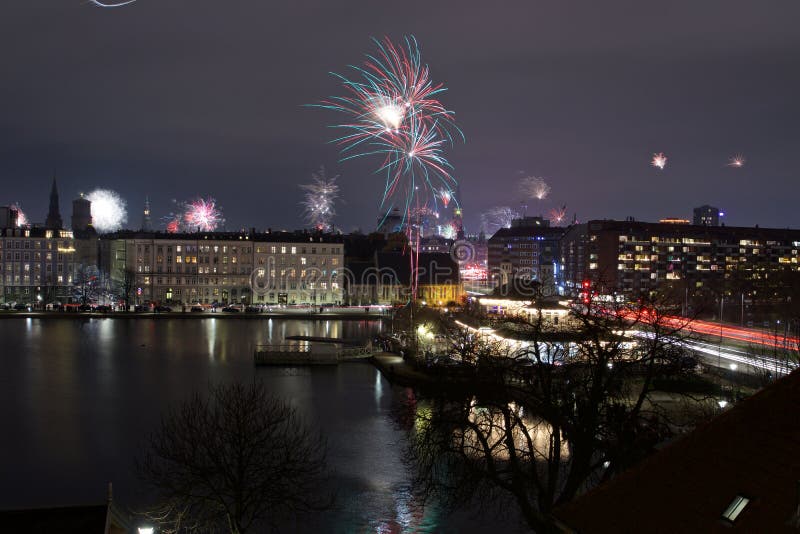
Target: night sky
x: 178, y: 98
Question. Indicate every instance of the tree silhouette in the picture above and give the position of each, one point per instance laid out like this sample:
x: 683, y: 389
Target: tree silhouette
x: 235, y: 460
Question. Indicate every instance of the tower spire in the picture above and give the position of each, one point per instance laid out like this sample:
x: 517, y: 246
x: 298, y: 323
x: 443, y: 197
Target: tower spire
x: 146, y: 223
x: 53, y: 221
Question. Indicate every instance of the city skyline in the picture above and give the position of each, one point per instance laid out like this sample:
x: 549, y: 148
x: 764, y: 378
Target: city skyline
x: 220, y: 111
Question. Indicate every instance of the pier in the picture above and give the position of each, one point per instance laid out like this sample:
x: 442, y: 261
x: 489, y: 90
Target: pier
x: 291, y: 355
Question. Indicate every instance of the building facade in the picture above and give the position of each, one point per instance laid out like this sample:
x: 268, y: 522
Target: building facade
x: 706, y: 216
x: 224, y: 268
x: 636, y: 258
x: 37, y: 266
x: 386, y: 279
x: 529, y: 250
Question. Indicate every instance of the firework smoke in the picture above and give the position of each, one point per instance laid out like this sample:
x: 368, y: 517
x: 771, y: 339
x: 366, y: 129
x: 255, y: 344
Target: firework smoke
x: 109, y: 210
x: 534, y: 187
x: 320, y: 197
x: 659, y: 160
x: 498, y: 217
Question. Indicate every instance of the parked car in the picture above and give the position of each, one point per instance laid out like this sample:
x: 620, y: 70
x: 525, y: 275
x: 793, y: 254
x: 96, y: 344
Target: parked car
x: 104, y: 308
x: 85, y: 307
x: 197, y: 308
x: 22, y: 307
x: 231, y: 309
x: 161, y: 309
x: 253, y: 309
x: 141, y: 308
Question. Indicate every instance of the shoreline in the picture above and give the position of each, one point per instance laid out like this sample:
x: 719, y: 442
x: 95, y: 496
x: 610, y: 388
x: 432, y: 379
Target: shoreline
x: 192, y: 315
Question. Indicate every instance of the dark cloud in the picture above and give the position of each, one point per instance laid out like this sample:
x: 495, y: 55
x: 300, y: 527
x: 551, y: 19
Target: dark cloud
x: 174, y: 98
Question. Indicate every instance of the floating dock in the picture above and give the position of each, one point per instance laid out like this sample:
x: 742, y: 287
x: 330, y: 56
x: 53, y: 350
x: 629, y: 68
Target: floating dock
x: 293, y: 355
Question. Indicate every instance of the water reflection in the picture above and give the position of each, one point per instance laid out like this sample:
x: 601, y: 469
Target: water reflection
x: 77, y: 396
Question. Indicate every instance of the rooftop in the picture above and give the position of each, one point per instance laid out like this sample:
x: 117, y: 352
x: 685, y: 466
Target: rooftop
x: 739, y: 471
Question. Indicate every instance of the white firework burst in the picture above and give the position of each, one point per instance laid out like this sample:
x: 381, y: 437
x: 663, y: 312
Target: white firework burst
x: 109, y: 210
x: 22, y: 219
x: 534, y: 187
x: 498, y: 217
x: 320, y: 199
x: 659, y: 160
x: 737, y: 161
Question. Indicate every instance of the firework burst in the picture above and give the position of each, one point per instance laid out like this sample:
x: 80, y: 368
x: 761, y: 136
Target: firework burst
x: 737, y: 161
x: 394, y: 112
x: 497, y: 218
x: 22, y: 219
x: 449, y: 230
x: 109, y: 210
x: 446, y: 196
x: 659, y: 160
x: 534, y: 187
x: 320, y: 197
x: 202, y: 215
x: 557, y: 215
x: 173, y: 225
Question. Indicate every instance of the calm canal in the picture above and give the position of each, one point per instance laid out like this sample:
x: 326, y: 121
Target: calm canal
x: 77, y: 397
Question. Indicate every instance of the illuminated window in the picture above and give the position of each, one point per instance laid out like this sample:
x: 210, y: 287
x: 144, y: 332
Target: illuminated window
x: 735, y: 508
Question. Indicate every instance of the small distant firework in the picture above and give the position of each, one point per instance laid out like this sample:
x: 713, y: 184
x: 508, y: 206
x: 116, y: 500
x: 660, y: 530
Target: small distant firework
x: 173, y: 221
x: 737, y: 161
x: 22, y: 219
x: 446, y: 196
x: 557, y: 215
x: 423, y: 213
x: 449, y: 230
x: 497, y: 218
x: 109, y: 210
x: 173, y: 226
x: 659, y: 160
x: 320, y: 197
x: 534, y: 187
x: 202, y: 215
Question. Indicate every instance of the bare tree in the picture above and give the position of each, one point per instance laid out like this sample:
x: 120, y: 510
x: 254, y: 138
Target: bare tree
x: 553, y: 413
x: 86, y: 284
x: 236, y: 460
x: 124, y: 287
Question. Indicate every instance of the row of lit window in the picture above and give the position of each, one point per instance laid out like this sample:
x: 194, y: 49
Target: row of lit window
x: 26, y: 279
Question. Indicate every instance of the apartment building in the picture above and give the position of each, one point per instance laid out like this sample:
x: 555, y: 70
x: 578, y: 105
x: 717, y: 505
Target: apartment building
x: 37, y: 265
x: 225, y: 268
x: 634, y: 258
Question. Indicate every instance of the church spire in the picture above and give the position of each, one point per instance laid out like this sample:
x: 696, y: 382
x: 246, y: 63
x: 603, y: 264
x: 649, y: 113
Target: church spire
x: 54, y: 221
x: 146, y: 224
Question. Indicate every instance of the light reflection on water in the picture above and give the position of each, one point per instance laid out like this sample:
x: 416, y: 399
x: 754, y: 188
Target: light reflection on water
x: 77, y: 396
